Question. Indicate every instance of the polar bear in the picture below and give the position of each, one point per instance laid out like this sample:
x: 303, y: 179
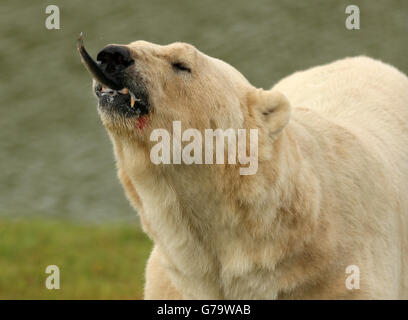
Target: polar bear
x: 330, y: 191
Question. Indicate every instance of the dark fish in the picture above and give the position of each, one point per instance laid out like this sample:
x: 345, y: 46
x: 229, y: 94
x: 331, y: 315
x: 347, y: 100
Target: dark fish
x: 94, y: 68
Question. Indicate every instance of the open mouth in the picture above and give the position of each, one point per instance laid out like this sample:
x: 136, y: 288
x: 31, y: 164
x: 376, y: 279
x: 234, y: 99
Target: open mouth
x: 113, y: 85
x: 123, y: 101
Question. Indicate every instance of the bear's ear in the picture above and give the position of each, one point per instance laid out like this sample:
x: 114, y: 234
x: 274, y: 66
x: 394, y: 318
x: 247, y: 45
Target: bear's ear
x: 271, y: 109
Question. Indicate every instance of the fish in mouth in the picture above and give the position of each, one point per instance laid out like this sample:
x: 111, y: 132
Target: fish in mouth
x: 118, y: 87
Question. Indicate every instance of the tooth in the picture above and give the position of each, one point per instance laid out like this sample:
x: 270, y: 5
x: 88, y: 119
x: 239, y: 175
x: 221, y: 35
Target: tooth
x: 132, y: 99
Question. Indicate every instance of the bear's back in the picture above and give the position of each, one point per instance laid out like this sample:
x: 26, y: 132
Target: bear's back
x: 358, y: 90
x: 360, y: 94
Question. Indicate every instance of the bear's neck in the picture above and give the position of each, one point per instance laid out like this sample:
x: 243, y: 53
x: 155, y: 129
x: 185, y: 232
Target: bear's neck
x: 217, y: 227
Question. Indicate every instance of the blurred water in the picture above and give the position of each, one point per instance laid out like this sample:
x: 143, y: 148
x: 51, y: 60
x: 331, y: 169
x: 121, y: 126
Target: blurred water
x: 56, y: 159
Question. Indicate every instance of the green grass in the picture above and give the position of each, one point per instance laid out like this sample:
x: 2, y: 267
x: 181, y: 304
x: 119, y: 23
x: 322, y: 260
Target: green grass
x: 95, y: 262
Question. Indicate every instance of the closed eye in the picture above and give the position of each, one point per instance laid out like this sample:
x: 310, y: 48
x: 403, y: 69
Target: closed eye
x: 180, y: 67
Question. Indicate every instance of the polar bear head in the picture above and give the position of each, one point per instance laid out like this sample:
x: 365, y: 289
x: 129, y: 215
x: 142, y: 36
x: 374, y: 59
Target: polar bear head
x: 142, y: 86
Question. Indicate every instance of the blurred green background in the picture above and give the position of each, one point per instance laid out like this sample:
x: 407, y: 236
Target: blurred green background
x: 60, y: 198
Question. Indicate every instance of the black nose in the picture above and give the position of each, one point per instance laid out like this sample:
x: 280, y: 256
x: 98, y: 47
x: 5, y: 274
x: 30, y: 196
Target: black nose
x: 114, y: 58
